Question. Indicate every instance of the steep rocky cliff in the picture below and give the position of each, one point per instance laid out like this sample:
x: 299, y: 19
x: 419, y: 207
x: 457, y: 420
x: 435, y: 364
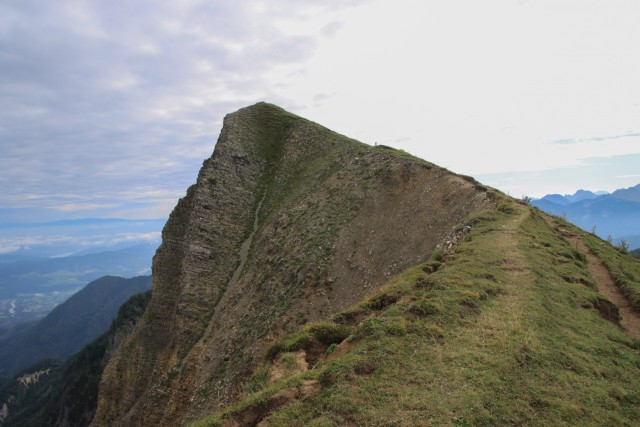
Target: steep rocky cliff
x: 287, y: 223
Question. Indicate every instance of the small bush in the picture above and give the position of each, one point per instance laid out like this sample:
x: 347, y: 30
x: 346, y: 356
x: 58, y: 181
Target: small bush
x: 624, y: 246
x: 324, y: 332
x: 469, y: 298
x: 298, y: 341
x: 437, y: 255
x: 333, y: 373
x: 365, y: 367
x: 504, y: 208
x: 348, y: 316
x: 426, y: 283
x: 433, y: 331
x: 257, y: 381
x: 579, y: 256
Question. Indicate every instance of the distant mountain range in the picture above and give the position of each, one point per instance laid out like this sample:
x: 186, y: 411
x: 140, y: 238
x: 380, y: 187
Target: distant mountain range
x: 616, y: 214
x: 30, y: 288
x: 70, y: 325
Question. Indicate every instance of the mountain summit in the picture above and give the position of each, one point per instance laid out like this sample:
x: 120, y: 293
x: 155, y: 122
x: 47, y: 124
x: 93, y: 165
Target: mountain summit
x: 309, y: 279
x: 287, y: 223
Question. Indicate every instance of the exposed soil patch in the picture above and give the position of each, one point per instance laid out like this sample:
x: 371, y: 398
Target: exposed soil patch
x: 253, y: 415
x: 628, y: 318
x: 608, y: 310
x: 288, y: 364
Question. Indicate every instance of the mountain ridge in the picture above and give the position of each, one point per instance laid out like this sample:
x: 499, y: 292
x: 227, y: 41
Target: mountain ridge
x: 324, y: 192
x: 309, y: 279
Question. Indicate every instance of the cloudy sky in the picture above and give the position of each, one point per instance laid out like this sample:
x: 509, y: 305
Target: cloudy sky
x: 108, y: 108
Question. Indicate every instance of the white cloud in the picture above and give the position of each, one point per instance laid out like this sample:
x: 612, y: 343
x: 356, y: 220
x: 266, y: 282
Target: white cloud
x: 70, y: 207
x: 100, y: 99
x: 480, y: 86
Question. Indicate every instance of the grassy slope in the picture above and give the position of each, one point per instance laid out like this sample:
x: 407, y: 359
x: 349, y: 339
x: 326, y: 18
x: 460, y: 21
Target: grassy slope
x: 624, y: 268
x: 502, y: 333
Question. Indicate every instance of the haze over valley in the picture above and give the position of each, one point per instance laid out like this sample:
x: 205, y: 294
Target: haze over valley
x: 41, y: 265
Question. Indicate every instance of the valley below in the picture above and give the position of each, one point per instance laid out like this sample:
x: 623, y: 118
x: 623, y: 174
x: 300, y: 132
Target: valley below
x: 28, y: 307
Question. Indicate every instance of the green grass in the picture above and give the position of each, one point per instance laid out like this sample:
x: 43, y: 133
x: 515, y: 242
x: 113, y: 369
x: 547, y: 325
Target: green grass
x: 502, y: 333
x: 320, y: 333
x: 624, y: 268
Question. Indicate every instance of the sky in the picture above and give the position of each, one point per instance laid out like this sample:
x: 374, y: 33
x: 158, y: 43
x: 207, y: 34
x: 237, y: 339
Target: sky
x: 108, y: 109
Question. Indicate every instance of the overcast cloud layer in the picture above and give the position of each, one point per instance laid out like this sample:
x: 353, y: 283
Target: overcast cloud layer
x: 111, y: 107
x: 107, y: 109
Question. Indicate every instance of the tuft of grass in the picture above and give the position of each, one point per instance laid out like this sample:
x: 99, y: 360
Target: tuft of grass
x: 437, y: 255
x: 257, y: 381
x: 324, y: 333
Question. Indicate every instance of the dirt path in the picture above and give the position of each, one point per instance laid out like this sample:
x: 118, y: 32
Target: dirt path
x: 630, y: 320
x: 501, y: 325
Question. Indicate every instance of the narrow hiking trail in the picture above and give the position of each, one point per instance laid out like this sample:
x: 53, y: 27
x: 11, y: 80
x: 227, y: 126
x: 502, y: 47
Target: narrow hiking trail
x: 500, y: 326
x: 630, y: 319
x: 503, y: 320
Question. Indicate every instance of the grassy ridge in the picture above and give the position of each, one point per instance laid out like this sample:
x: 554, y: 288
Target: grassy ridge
x: 504, y: 332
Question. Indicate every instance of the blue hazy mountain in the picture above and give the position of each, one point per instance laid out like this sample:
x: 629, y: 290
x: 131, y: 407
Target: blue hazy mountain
x: 567, y: 199
x: 616, y: 214
x: 31, y: 287
x: 71, y: 325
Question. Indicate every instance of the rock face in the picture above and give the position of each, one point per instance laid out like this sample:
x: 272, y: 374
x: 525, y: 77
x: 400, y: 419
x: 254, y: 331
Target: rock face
x: 288, y: 222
